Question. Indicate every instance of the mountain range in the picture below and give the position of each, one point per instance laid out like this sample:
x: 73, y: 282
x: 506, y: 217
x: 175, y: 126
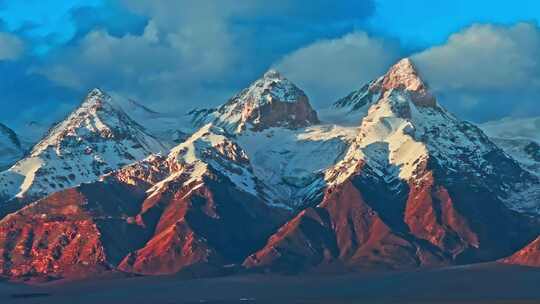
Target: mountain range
x: 384, y: 179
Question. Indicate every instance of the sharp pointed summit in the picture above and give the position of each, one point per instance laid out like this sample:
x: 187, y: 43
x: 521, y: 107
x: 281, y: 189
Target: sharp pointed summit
x: 96, y: 97
x: 273, y: 74
x: 404, y: 76
x: 93, y: 140
x: 271, y: 101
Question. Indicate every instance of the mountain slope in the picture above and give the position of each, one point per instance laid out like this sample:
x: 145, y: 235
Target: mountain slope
x: 519, y: 137
x: 528, y: 256
x: 418, y: 174
x: 11, y: 149
x: 96, y: 138
x: 198, y: 206
x: 168, y: 128
x: 291, y: 162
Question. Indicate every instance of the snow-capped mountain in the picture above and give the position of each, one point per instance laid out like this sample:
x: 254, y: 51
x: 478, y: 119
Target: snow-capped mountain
x: 95, y: 139
x: 271, y: 101
x: 418, y: 187
x: 274, y: 123
x: 213, y: 190
x: 519, y: 137
x: 11, y: 148
x: 199, y: 205
x: 263, y: 184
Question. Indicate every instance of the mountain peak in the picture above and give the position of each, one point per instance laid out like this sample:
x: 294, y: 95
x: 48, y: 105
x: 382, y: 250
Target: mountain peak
x: 272, y: 74
x: 97, y: 94
x: 404, y: 76
x: 270, y: 101
x: 96, y: 99
x: 96, y: 138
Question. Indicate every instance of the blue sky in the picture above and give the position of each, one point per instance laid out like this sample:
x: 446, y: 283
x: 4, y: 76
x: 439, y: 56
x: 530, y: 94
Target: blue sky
x: 480, y: 57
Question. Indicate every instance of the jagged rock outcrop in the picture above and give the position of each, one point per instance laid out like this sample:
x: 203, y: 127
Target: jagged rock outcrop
x: 272, y: 101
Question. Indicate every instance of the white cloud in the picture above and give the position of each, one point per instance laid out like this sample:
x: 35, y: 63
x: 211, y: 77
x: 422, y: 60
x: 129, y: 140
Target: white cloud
x: 483, y: 57
x: 329, y: 69
x: 158, y: 66
x: 194, y: 53
x: 11, y: 47
x: 486, y: 71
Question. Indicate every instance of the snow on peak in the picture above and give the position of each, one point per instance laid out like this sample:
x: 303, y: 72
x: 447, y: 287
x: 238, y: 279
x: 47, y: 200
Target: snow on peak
x: 271, y: 101
x: 273, y: 74
x: 207, y: 152
x: 399, y: 139
x: 96, y: 138
x: 402, y: 76
x: 271, y: 87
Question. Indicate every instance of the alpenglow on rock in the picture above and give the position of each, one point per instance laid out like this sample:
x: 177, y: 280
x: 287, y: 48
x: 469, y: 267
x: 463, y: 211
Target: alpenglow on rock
x: 271, y: 101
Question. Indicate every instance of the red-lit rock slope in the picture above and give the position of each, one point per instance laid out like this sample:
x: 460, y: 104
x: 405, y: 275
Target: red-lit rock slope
x: 198, y: 205
x: 528, y: 256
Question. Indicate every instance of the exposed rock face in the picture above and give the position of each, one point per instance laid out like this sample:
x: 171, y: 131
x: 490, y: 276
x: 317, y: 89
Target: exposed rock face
x: 272, y: 101
x: 61, y: 236
x: 528, y: 256
x: 343, y: 231
x: 95, y: 139
x: 403, y: 76
x: 209, y: 225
